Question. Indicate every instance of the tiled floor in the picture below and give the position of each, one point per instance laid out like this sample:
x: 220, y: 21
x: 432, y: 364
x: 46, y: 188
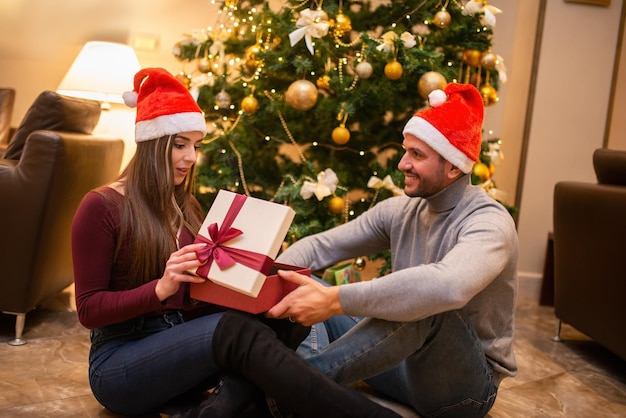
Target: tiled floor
x: 48, y: 376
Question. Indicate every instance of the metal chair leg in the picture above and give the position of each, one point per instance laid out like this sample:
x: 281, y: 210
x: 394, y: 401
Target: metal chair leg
x: 557, y: 338
x: 20, y: 319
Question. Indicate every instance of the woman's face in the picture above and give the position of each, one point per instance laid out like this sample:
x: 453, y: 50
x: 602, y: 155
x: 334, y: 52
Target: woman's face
x: 184, y: 154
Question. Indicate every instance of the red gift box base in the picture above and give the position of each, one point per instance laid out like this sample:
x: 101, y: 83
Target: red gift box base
x: 273, y: 290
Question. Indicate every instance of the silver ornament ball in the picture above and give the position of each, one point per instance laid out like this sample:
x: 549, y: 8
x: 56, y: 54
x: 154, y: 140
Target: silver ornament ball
x: 364, y: 70
x: 222, y: 100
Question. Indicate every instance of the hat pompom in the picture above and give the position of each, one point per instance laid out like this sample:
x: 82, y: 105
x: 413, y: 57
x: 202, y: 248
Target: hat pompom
x: 437, y: 98
x: 130, y: 98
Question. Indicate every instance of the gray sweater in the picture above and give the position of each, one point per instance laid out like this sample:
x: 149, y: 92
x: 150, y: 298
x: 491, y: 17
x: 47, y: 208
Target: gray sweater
x: 454, y: 250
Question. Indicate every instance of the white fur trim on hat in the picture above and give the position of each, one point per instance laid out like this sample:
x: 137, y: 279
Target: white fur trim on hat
x: 169, y: 125
x: 425, y: 131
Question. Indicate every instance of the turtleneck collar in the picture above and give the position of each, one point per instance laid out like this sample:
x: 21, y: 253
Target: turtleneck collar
x: 446, y: 199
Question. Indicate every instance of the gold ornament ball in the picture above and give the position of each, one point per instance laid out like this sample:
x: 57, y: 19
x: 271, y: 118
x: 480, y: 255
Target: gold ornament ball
x: 204, y: 65
x: 301, y: 95
x: 341, y: 135
x: 249, y: 104
x: 489, y: 93
x: 429, y: 81
x: 323, y: 82
x: 359, y: 263
x: 336, y: 205
x: 252, y: 60
x: 342, y: 25
x: 364, y: 70
x: 472, y: 57
x: 393, y: 70
x: 489, y: 60
x: 442, y: 18
x: 481, y: 170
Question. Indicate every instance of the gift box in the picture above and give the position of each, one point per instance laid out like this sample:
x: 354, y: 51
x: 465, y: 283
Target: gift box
x: 273, y: 290
x: 243, y: 236
x: 341, y: 274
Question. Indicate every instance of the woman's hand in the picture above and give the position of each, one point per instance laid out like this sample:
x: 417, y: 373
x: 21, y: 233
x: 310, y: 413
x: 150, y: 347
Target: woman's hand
x: 176, y: 271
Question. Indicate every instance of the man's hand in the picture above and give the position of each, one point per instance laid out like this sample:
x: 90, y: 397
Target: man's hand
x: 310, y: 303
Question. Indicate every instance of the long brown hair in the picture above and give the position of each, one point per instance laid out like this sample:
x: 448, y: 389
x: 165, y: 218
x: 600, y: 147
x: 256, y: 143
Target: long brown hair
x: 154, y: 209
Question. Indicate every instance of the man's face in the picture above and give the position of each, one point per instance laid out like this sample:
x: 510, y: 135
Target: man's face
x: 425, y: 172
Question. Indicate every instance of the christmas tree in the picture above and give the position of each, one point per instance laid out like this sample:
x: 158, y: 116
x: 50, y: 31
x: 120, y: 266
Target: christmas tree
x: 306, y: 104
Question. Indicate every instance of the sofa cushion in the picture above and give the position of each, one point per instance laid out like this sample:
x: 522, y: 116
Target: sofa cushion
x: 610, y: 166
x: 54, y: 112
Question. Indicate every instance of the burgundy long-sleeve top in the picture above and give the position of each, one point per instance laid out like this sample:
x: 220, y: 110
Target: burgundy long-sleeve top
x: 103, y: 296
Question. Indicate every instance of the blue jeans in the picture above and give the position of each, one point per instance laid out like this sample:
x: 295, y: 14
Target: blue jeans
x: 436, y: 365
x: 138, y: 365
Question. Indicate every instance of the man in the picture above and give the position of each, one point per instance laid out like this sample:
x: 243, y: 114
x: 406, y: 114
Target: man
x: 438, y: 330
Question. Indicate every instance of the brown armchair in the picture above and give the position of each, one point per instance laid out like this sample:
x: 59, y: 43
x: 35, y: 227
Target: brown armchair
x: 39, y: 194
x: 589, y: 252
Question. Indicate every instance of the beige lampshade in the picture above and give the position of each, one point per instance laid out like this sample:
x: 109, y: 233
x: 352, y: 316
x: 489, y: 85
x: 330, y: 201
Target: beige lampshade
x: 102, y: 71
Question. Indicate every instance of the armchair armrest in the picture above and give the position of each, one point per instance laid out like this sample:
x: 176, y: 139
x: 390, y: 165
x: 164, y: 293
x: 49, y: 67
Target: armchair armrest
x: 24, y: 187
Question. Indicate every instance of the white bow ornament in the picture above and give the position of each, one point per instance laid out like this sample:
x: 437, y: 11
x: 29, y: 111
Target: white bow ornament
x: 326, y: 185
x: 388, y: 39
x: 310, y: 25
x: 386, y: 183
x: 489, y: 12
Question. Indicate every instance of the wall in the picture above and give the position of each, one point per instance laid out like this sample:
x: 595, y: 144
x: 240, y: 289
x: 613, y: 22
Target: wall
x: 569, y: 113
x: 617, y: 124
x: 40, y: 38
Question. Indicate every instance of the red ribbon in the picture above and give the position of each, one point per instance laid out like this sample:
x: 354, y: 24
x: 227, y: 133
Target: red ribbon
x: 223, y: 255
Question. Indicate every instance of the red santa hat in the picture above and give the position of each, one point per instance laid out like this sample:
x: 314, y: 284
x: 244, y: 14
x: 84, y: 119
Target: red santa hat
x: 452, y: 126
x: 164, y: 106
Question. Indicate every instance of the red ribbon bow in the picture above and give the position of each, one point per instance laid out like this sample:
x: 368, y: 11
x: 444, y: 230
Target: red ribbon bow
x: 215, y: 249
x: 223, y: 255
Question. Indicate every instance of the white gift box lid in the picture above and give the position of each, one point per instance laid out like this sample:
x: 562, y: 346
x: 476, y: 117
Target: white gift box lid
x: 264, y: 225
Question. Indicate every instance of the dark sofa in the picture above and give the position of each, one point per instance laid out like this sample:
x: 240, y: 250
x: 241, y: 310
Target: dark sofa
x: 590, y: 252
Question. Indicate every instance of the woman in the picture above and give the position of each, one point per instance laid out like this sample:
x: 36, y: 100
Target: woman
x: 132, y: 245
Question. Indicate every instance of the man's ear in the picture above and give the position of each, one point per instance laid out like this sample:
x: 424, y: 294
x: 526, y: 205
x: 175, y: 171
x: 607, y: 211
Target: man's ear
x: 453, y: 171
